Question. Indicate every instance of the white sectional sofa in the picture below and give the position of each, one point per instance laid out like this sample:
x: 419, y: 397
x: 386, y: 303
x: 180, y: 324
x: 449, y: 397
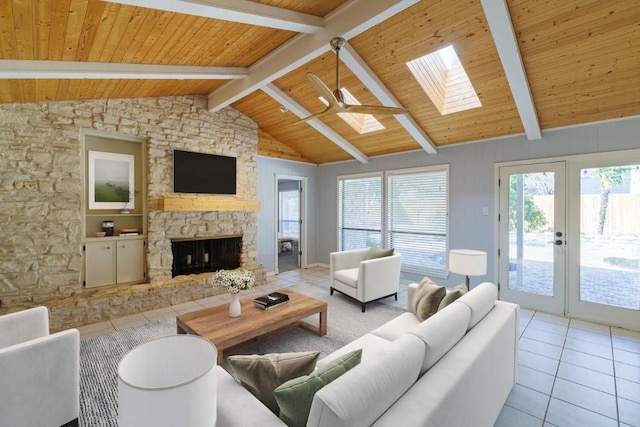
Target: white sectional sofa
x: 454, y: 369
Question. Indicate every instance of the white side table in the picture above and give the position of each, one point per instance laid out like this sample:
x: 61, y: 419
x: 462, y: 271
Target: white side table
x: 170, y: 381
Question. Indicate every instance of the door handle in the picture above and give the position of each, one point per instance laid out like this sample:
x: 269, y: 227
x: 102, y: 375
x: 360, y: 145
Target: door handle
x: 556, y: 242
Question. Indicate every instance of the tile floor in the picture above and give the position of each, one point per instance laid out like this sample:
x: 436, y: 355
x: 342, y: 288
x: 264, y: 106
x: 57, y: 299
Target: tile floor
x: 571, y: 372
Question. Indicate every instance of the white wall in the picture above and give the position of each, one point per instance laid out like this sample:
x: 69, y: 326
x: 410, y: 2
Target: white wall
x: 472, y: 183
x: 267, y: 170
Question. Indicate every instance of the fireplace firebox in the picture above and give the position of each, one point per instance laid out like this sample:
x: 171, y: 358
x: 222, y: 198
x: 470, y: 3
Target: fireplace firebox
x: 208, y: 254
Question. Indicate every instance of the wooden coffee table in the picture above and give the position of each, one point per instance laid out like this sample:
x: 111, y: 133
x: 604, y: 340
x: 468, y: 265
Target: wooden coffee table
x: 254, y: 324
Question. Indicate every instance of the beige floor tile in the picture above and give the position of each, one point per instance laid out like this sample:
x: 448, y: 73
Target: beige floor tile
x: 95, y: 330
x: 159, y: 314
x: 186, y: 307
x: 129, y: 321
x: 211, y: 301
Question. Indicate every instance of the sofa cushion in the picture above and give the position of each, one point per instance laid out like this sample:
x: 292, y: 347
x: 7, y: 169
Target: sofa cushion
x: 426, y: 298
x: 441, y: 332
x: 376, y: 252
x: 453, y: 295
x: 295, y: 396
x: 231, y: 396
x: 397, y: 326
x: 480, y: 300
x: 262, y: 374
x: 369, y: 343
x: 348, y: 276
x: 367, y: 391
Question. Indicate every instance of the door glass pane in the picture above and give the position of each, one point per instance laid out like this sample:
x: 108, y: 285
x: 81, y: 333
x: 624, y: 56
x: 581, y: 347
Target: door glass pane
x: 289, y: 213
x: 531, y: 248
x: 610, y: 236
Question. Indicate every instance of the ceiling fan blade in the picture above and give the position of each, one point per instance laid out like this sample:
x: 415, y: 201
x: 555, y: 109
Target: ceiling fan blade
x: 323, y: 89
x: 374, y: 109
x: 315, y: 116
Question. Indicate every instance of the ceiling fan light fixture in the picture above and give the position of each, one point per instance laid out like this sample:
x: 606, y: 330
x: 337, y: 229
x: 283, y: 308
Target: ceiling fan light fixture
x: 337, y: 102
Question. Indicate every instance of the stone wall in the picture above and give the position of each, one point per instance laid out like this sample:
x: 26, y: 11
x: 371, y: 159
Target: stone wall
x: 40, y: 191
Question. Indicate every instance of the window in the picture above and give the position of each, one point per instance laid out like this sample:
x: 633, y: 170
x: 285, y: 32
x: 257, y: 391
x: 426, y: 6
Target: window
x: 360, y: 211
x: 361, y: 123
x: 416, y: 222
x: 445, y: 81
x: 417, y: 218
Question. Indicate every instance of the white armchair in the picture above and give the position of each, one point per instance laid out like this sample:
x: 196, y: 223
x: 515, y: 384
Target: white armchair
x: 40, y: 372
x: 364, y: 280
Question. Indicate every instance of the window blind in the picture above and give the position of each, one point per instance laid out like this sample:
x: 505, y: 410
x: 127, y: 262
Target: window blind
x: 417, y: 219
x: 359, y: 212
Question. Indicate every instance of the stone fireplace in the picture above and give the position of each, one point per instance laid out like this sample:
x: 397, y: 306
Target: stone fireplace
x: 43, y: 261
x: 205, y: 254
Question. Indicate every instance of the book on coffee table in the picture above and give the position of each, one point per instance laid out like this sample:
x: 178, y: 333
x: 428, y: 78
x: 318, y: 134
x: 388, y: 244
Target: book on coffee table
x: 271, y: 300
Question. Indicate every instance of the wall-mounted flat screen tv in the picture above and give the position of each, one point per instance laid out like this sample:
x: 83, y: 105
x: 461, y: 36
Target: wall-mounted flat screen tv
x: 203, y: 173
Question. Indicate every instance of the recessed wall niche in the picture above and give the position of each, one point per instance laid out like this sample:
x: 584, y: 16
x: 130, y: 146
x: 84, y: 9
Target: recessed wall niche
x: 114, y: 209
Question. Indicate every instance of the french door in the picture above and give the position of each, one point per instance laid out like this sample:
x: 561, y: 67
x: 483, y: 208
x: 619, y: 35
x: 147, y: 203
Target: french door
x: 569, y: 237
x: 532, y: 236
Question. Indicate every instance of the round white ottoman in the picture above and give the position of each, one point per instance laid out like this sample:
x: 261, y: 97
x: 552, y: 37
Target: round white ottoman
x: 170, y: 381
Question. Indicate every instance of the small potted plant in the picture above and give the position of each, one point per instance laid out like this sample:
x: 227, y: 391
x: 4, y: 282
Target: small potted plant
x: 234, y: 281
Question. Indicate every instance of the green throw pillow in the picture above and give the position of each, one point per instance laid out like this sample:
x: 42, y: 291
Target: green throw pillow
x: 262, y: 374
x: 376, y: 252
x: 455, y: 293
x: 295, y: 396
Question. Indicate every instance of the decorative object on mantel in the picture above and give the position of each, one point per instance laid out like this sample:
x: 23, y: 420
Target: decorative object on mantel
x: 234, y: 281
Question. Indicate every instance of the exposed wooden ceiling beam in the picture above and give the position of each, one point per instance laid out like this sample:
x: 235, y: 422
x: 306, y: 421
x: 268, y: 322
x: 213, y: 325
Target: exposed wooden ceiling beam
x: 28, y: 69
x: 365, y: 74
x: 243, y: 11
x: 297, y: 109
x: 348, y: 21
x: 497, y: 13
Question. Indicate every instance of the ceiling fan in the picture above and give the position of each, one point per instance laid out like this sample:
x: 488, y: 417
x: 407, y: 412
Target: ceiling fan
x: 336, y: 99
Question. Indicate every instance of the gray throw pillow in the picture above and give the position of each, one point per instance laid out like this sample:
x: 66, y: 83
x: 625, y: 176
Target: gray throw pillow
x: 262, y: 374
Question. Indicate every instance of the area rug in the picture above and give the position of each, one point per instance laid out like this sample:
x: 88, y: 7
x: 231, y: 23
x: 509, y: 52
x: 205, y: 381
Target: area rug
x: 99, y: 357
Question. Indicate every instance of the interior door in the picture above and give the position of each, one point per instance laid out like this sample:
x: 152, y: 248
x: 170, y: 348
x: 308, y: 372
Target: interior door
x: 532, y: 242
x: 289, y: 223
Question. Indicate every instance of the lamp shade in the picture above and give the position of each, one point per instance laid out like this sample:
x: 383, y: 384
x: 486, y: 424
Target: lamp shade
x: 468, y: 262
x: 170, y: 381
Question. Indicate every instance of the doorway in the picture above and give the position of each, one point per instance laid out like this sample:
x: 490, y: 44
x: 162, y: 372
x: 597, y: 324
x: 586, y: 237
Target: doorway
x: 569, y: 238
x: 290, y: 211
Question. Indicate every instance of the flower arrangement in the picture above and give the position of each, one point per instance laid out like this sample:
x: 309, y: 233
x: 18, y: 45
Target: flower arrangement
x: 234, y: 281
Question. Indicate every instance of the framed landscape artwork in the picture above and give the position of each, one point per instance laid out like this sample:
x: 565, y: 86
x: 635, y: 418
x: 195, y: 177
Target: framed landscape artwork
x: 111, y: 181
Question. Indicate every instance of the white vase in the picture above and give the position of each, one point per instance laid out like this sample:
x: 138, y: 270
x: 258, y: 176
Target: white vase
x: 234, y: 307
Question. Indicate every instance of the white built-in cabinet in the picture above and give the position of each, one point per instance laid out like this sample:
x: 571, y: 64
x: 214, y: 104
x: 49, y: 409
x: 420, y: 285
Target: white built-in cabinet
x: 116, y: 259
x: 111, y: 261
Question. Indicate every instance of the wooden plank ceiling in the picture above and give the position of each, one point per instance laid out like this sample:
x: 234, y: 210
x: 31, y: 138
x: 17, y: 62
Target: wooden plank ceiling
x: 581, y: 61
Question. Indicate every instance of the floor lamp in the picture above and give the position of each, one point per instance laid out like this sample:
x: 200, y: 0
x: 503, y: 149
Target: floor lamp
x: 468, y: 262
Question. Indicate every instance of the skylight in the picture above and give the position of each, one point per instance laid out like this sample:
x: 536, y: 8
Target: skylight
x: 361, y: 123
x: 444, y: 80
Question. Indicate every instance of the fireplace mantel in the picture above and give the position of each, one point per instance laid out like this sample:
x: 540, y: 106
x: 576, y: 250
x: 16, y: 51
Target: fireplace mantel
x: 207, y: 204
